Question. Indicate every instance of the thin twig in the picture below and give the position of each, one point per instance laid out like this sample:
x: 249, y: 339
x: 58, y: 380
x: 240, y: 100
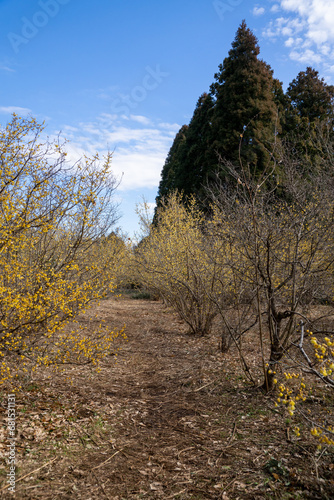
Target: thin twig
x: 206, y: 385
x: 112, y: 456
x: 176, y: 494
x: 233, y: 431
x: 186, y: 449
x: 85, y: 432
x: 30, y: 473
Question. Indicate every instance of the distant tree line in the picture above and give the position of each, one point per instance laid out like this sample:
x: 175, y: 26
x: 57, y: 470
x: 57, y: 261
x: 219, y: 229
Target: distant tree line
x: 244, y: 118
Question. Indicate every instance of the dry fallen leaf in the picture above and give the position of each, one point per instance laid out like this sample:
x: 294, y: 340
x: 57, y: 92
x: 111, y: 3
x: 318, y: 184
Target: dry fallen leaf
x: 155, y: 486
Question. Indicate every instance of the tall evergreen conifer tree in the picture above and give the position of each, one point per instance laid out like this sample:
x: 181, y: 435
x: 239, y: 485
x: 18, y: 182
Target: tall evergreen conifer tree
x: 241, y: 108
x: 311, y: 98
x: 245, y: 109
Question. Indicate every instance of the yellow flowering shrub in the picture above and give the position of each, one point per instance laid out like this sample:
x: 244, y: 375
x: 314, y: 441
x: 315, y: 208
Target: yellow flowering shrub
x: 173, y: 262
x: 53, y: 261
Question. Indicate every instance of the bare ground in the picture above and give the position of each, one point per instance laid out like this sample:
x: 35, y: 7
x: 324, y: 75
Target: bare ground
x: 172, y: 418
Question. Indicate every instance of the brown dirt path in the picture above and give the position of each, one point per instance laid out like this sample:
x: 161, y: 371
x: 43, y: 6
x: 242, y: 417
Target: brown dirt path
x: 166, y: 421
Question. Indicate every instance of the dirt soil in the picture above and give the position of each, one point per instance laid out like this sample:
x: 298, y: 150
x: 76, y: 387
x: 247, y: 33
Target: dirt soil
x: 170, y: 417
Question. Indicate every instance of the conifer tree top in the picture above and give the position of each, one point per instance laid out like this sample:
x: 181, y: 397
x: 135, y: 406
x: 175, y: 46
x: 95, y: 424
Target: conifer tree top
x: 311, y: 96
x: 245, y: 42
x: 244, y: 51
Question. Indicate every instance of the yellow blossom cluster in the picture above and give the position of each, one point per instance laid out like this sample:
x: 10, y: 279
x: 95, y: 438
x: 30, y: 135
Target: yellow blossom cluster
x: 324, y: 354
x: 291, y: 394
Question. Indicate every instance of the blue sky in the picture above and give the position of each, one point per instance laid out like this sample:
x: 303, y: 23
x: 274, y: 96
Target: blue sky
x: 124, y: 75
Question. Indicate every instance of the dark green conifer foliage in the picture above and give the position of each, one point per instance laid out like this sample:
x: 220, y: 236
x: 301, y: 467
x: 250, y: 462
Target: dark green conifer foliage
x: 247, y: 108
x: 309, y: 114
x: 194, y: 164
x: 186, y: 166
x: 246, y: 96
x: 169, y: 174
x: 311, y: 98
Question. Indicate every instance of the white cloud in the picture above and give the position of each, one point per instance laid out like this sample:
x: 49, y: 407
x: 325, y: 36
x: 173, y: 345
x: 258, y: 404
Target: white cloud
x: 318, y: 15
x: 139, y: 151
x: 287, y: 31
x: 294, y: 42
x: 69, y: 128
x: 138, y: 170
x: 325, y: 50
x: 173, y: 127
x: 140, y: 119
x: 289, y: 42
x: 8, y: 110
x: 283, y: 27
x: 7, y: 68
x: 258, y: 11
x: 307, y: 56
x: 308, y: 27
